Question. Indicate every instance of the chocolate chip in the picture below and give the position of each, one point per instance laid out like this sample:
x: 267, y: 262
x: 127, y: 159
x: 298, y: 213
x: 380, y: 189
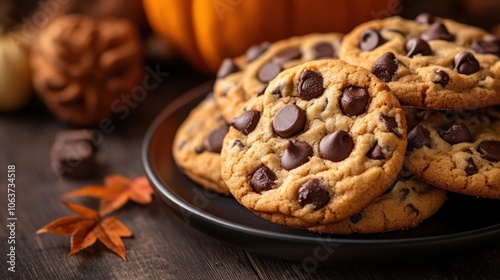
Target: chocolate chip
x: 287, y: 55
x: 268, y: 72
x: 437, y: 31
x: 354, y: 100
x: 404, y: 192
x: 336, y: 146
x: 441, y: 78
x: 227, y: 67
x: 73, y: 153
x: 295, y: 154
x: 323, y: 50
x: 255, y: 51
x: 198, y: 150
x: 471, y: 167
x: 486, y: 46
x: 312, y: 193
x: 457, y: 133
x: 376, y: 152
x: 277, y: 92
x: 466, y: 63
x: 404, y: 174
x: 418, y: 137
x: 490, y: 150
x: 385, y: 67
x: 356, y: 218
x: 410, y: 208
x: 238, y: 143
x: 425, y: 18
x: 73, y: 158
x: 263, y: 179
x: 311, y: 85
x: 246, y: 122
x: 289, y: 121
x: 391, y: 124
x: 262, y: 90
x: 371, y: 39
x: 214, y: 140
x: 416, y: 46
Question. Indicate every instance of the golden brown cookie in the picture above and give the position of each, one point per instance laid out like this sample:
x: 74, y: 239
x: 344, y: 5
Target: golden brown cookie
x: 457, y: 150
x: 429, y: 62
x: 241, y: 78
x: 405, y: 205
x: 324, y: 140
x: 197, y: 146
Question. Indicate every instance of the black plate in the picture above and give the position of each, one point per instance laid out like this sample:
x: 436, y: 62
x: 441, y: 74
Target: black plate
x: 464, y: 224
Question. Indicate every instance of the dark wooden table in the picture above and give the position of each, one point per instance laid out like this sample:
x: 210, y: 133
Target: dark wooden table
x: 163, y: 246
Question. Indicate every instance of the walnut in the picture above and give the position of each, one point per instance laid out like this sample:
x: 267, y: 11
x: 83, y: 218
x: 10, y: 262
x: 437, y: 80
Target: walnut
x: 82, y: 65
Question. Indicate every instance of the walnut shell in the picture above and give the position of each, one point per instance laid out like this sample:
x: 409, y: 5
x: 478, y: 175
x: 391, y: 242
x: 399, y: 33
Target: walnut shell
x: 84, y: 67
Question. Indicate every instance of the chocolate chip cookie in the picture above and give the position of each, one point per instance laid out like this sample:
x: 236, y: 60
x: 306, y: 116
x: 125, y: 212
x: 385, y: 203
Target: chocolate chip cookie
x: 197, y: 146
x: 406, y: 204
x: 429, y: 62
x: 457, y: 151
x: 324, y: 140
x: 241, y: 78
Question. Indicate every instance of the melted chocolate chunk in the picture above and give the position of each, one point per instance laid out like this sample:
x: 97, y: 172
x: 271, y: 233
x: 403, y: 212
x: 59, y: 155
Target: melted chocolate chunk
x: 410, y: 208
x: 486, y: 46
x: 227, y: 67
x: 419, y: 137
x: 246, y: 122
x: 312, y: 193
x: 255, y: 51
x: 287, y: 55
x: 238, y: 143
x: 471, y: 167
x: 323, y: 50
x: 311, y: 85
x: 404, y: 193
x: 354, y: 100
x: 441, y: 78
x: 425, y: 18
x: 336, y: 146
x: 437, y: 31
x: 214, y: 140
x: 466, y: 63
x: 457, y: 133
x: 268, y: 72
x: 371, y: 39
x: 289, y: 121
x: 391, y: 124
x: 385, y: 67
x: 295, y: 154
x: 277, y: 92
x: 416, y: 46
x: 376, y: 152
x: 356, y: 218
x: 263, y: 179
x: 490, y: 150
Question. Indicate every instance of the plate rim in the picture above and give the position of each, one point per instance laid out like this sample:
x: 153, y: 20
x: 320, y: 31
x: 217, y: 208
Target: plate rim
x: 203, y: 89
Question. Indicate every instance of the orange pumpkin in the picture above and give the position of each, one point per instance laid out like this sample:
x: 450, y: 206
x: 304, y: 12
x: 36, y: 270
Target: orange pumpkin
x: 207, y: 31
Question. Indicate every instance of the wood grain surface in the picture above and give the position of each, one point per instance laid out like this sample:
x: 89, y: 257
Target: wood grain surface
x: 163, y: 246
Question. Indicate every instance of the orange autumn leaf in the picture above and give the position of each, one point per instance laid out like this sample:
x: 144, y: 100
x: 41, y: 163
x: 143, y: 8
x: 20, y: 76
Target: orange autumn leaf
x: 116, y: 191
x: 89, y: 226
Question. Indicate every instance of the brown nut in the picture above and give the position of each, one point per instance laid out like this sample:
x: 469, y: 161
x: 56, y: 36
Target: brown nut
x: 82, y: 65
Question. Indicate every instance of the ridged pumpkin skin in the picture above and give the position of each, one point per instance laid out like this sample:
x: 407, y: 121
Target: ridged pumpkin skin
x: 207, y: 31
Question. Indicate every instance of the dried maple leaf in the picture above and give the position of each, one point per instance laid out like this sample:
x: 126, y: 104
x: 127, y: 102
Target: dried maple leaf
x: 116, y: 191
x: 89, y: 226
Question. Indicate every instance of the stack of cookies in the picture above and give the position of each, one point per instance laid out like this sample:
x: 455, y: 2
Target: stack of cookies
x: 357, y: 133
